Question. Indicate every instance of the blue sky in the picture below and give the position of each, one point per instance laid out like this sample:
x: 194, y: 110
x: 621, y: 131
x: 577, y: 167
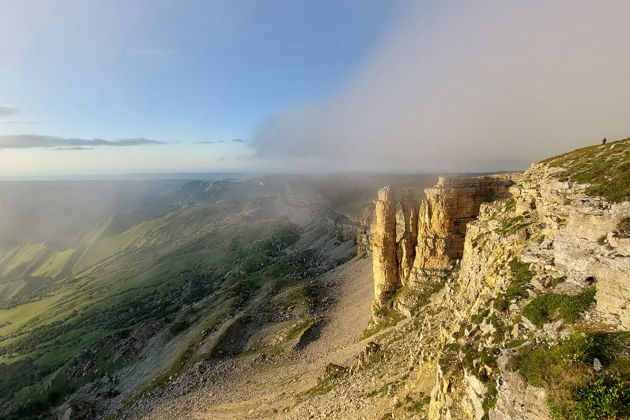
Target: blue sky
x: 171, y: 71
x: 117, y: 86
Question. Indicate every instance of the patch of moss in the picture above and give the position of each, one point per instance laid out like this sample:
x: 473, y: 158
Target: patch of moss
x: 623, y: 228
x: 490, y: 400
x: 385, y: 317
x: 511, y: 225
x: 550, y: 307
x: 517, y: 289
x: 557, y: 281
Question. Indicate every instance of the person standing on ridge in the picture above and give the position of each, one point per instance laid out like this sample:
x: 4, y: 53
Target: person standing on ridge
x: 604, y: 141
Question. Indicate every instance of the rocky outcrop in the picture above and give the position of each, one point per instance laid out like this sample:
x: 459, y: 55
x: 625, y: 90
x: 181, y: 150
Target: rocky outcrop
x: 582, y: 239
x: 384, y: 252
x: 470, y: 233
x: 409, y: 240
x: 431, y: 232
x: 449, y: 207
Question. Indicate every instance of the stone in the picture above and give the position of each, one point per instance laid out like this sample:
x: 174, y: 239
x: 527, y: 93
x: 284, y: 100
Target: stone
x: 407, y: 244
x: 384, y: 249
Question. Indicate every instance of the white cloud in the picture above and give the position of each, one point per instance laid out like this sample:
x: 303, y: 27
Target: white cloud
x: 472, y: 86
x: 28, y: 141
x: 6, y: 111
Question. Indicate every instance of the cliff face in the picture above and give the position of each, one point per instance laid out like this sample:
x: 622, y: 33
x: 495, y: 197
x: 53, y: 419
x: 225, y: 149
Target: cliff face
x: 431, y: 234
x: 533, y: 306
x: 550, y: 234
x: 409, y: 240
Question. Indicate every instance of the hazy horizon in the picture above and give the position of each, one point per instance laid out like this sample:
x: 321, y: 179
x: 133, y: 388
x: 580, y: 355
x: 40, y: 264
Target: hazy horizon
x: 103, y: 88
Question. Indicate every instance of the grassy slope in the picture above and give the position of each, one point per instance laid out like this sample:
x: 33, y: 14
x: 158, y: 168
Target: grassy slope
x: 605, y: 167
x: 147, y: 272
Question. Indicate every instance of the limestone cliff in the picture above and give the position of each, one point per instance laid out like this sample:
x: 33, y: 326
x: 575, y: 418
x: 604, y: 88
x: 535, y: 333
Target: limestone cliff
x: 533, y: 307
x: 384, y: 253
x: 549, y: 234
x: 432, y: 232
x: 409, y: 240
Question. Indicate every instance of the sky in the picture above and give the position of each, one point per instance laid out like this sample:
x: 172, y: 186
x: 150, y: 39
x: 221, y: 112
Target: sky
x: 119, y: 86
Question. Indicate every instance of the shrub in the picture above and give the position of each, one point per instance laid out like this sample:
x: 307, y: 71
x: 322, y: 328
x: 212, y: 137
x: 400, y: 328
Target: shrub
x: 607, y: 397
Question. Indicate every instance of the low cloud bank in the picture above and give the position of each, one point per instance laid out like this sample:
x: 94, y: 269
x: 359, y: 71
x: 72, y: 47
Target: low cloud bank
x: 478, y: 85
x: 27, y: 141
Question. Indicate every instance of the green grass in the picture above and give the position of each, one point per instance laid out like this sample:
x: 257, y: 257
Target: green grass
x: 300, y: 328
x: 517, y: 289
x: 550, y: 307
x: 334, y: 376
x: 605, y: 167
x: 511, y: 225
x: 557, y: 281
x: 515, y: 343
x: 510, y: 204
x: 155, y: 268
x: 565, y: 370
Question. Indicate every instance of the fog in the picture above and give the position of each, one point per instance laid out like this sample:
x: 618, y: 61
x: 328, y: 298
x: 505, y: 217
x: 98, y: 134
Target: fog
x: 63, y: 212
x: 470, y: 86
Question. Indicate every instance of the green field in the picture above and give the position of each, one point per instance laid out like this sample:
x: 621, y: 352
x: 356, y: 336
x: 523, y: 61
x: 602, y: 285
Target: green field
x: 205, y: 258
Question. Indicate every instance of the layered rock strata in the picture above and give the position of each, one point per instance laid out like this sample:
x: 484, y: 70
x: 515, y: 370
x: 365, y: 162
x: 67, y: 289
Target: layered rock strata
x: 432, y: 240
x: 570, y: 242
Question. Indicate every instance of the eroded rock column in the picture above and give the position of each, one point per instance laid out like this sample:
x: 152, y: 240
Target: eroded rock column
x: 384, y: 255
x: 409, y: 240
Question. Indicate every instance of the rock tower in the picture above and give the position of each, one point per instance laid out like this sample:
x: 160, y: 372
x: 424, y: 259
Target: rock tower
x: 384, y: 248
x: 432, y: 242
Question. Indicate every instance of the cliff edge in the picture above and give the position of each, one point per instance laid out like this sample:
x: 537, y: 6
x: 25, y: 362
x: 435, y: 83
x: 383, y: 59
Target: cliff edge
x: 501, y: 297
